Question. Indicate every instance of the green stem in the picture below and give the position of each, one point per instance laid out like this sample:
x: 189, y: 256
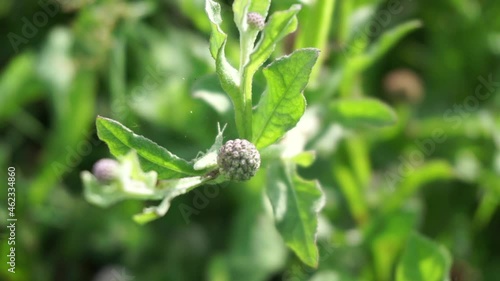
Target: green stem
x: 246, y: 47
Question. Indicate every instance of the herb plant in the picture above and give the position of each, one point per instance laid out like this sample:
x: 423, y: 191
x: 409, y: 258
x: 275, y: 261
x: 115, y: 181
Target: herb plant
x: 219, y: 171
x: 148, y: 171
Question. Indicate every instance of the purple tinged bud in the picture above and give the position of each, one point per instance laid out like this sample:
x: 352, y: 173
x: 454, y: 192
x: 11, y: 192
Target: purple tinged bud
x: 256, y: 20
x: 106, y: 170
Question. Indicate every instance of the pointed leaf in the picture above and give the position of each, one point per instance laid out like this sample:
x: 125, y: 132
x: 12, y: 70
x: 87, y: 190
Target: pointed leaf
x: 121, y: 140
x: 296, y: 204
x: 282, y: 105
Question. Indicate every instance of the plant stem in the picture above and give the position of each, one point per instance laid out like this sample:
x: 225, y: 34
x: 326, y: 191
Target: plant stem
x: 246, y: 47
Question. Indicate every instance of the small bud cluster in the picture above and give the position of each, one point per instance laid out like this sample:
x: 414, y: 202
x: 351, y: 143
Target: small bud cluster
x: 238, y: 160
x: 255, y: 20
x: 106, y: 170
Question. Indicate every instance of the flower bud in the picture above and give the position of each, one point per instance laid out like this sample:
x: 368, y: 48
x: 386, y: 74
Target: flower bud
x: 106, y: 170
x: 238, y: 160
x: 255, y: 20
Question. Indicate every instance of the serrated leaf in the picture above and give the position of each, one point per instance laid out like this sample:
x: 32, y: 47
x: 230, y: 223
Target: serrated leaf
x: 354, y: 113
x: 423, y: 260
x: 218, y: 36
x: 280, y: 24
x: 228, y: 76
x: 121, y: 140
x: 296, y: 204
x: 282, y: 105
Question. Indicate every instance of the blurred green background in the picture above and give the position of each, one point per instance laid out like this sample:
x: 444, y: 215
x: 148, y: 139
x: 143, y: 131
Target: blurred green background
x: 147, y: 65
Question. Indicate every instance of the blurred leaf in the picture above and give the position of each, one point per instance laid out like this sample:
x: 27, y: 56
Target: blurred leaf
x: 355, y: 113
x: 256, y: 248
x: 296, y: 204
x: 352, y: 191
x: 67, y: 143
x: 18, y: 85
x: 282, y: 105
x: 330, y: 275
x: 153, y: 157
x: 387, y: 235
x: 413, y: 179
x: 423, y: 260
x: 317, y: 17
x: 305, y: 158
x: 194, y: 9
x: 357, y: 62
x: 209, y: 90
x: 359, y: 158
x: 388, y: 40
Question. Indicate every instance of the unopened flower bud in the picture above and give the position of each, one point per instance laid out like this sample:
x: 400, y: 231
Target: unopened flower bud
x: 106, y: 170
x: 255, y: 20
x: 238, y: 160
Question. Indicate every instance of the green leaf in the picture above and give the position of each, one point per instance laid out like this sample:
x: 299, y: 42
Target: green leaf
x: 282, y: 105
x: 228, y: 76
x: 280, y: 24
x: 121, y: 140
x: 256, y: 250
x: 218, y: 36
x: 18, y: 85
x: 70, y: 131
x: 358, y: 59
x: 352, y: 191
x: 317, y: 17
x: 169, y: 189
x: 387, y: 41
x: 387, y: 235
x: 296, y: 204
x: 209, y: 90
x: 354, y: 113
x: 409, y: 180
x: 423, y: 260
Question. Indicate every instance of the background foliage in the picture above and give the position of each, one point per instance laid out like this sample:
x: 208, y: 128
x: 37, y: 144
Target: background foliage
x: 413, y: 201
